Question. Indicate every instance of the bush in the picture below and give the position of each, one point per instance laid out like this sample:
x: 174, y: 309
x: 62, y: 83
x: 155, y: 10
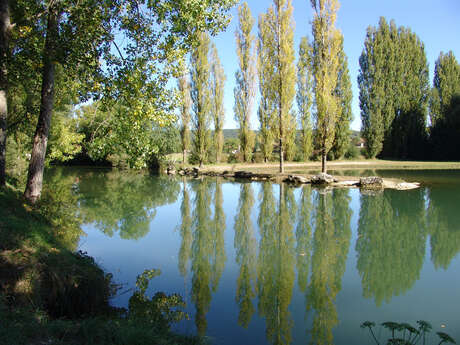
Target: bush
x: 352, y: 152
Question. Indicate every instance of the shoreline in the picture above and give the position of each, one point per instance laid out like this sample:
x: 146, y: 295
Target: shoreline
x: 321, y: 180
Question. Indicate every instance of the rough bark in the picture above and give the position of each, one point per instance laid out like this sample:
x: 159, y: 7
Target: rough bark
x: 5, y: 27
x: 37, y: 160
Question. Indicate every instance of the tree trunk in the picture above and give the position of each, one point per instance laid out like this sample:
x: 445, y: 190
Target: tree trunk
x: 323, y: 161
x: 184, y: 156
x: 37, y: 160
x: 5, y: 27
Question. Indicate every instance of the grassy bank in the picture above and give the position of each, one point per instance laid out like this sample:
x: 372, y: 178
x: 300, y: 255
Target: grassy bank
x: 341, y: 165
x: 51, y: 294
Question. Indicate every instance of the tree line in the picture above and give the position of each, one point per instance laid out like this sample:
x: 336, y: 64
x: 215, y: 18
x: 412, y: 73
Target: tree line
x: 323, y: 89
x: 121, y: 55
x: 396, y: 99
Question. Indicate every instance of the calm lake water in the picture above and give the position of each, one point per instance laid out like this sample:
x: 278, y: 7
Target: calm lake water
x: 263, y: 263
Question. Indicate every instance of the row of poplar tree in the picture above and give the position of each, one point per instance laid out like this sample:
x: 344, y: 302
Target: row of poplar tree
x: 394, y: 92
x: 321, y: 75
x: 396, y: 99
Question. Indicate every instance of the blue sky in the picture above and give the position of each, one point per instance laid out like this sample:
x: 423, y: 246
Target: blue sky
x: 436, y: 22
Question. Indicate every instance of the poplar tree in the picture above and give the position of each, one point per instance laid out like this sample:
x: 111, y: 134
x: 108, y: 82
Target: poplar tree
x: 326, y: 64
x: 266, y: 74
x: 217, y: 83
x: 377, y: 68
x: 445, y: 108
x: 283, y: 61
x: 245, y: 79
x: 393, y: 83
x: 344, y: 94
x: 304, y: 97
x: 279, y: 44
x: 183, y: 84
x: 446, y: 84
x: 200, y: 94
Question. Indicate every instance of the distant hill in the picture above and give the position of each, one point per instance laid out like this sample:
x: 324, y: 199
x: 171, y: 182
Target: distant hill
x: 233, y: 133
x: 230, y: 133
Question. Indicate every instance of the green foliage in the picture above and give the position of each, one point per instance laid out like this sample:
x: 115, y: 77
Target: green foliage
x: 393, y: 83
x: 202, y: 233
x: 326, y: 65
x: 331, y: 241
x: 343, y: 91
x: 128, y: 202
x: 275, y: 264
x: 185, y: 106
x: 217, y: 84
x: 266, y: 71
x: 304, y: 238
x: 161, y: 310
x: 442, y: 220
x: 305, y: 97
x: 56, y: 282
x: 408, y: 334
x: 133, y: 144
x: 446, y: 85
x: 391, y: 243
x: 276, y: 40
x: 245, y: 80
x: 245, y: 246
x: 445, y: 108
x: 200, y: 92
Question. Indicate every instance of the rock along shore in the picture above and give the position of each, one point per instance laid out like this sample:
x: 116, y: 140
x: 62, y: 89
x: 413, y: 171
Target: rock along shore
x: 371, y: 183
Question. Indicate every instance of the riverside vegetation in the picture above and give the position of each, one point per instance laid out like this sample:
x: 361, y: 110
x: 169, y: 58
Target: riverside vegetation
x: 51, y: 293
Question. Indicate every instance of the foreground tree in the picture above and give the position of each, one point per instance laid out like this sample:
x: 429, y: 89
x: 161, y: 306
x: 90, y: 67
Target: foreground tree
x: 217, y: 102
x: 245, y: 80
x: 326, y: 64
x: 5, y: 29
x: 201, y: 98
x: 78, y: 34
x: 305, y: 97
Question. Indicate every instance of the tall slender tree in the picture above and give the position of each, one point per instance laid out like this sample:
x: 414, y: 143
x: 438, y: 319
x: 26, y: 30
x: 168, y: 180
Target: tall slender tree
x: 266, y: 72
x: 217, y: 84
x: 200, y: 93
x: 326, y: 48
x: 183, y: 85
x: 245, y: 79
x: 446, y: 84
x: 344, y: 94
x: 283, y: 60
x: 393, y: 83
x: 445, y: 108
x: 5, y: 29
x: 304, y: 97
